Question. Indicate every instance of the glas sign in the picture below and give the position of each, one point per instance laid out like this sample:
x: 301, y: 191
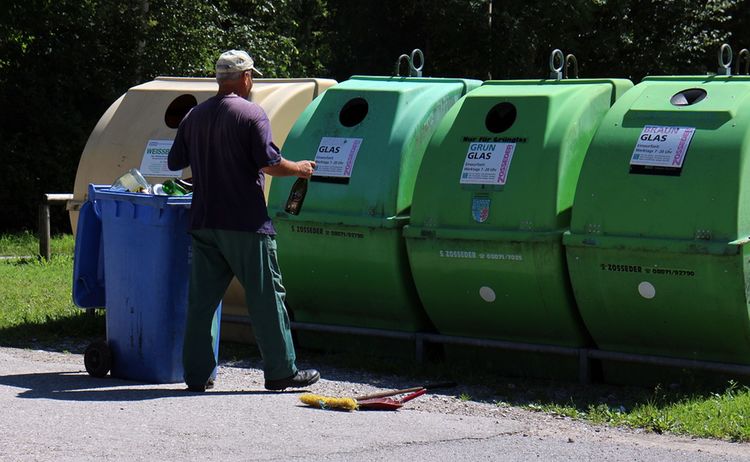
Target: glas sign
x: 487, y: 163
x: 661, y: 148
x: 335, y: 156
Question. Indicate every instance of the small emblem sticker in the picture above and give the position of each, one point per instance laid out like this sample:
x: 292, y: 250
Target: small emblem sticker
x: 480, y: 208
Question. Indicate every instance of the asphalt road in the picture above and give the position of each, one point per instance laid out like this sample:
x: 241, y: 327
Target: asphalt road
x: 50, y: 409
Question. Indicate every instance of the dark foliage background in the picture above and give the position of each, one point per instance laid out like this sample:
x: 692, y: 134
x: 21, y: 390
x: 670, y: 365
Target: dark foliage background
x: 63, y: 62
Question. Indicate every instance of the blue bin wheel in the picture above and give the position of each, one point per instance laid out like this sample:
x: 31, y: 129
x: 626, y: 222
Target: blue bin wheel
x: 98, y: 359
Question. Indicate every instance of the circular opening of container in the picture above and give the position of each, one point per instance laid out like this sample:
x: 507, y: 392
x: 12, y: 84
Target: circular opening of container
x: 688, y: 97
x: 178, y: 109
x: 353, y: 112
x: 501, y: 117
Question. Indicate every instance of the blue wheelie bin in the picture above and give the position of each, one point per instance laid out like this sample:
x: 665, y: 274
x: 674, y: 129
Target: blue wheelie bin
x: 133, y: 257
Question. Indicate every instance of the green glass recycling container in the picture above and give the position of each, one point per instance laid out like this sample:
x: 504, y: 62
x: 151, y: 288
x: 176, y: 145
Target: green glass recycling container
x: 343, y: 257
x: 491, y: 203
x: 657, y: 249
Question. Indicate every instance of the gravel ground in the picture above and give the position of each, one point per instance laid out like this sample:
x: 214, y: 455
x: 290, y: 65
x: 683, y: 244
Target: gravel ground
x: 52, y: 410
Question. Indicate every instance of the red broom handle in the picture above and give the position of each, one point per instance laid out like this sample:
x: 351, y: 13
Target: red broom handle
x: 383, y: 394
x: 411, y: 396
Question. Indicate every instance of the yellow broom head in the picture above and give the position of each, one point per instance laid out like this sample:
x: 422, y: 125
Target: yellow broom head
x: 327, y: 402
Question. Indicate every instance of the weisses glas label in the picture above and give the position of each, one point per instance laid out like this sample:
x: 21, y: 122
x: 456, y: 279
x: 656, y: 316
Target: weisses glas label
x: 660, y: 146
x: 335, y: 156
x: 487, y: 163
x: 154, y: 161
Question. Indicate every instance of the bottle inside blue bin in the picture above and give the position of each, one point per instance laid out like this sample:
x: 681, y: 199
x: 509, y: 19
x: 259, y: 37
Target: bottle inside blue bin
x: 132, y: 181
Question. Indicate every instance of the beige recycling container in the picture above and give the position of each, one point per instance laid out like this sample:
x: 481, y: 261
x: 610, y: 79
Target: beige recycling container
x: 138, y: 128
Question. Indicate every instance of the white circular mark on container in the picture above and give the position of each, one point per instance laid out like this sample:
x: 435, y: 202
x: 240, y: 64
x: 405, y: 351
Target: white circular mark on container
x: 647, y: 290
x: 487, y: 294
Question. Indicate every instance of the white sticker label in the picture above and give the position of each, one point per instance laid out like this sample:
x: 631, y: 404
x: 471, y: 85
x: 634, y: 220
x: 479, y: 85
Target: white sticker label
x: 154, y: 161
x: 660, y: 146
x: 487, y: 294
x: 335, y: 156
x: 647, y: 290
x: 487, y: 163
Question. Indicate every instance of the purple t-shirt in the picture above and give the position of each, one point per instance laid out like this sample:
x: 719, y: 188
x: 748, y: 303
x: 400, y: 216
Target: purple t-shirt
x: 226, y: 140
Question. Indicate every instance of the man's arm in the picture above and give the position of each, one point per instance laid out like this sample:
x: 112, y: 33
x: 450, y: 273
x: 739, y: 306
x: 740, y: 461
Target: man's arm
x: 178, y: 157
x: 302, y: 168
x: 265, y: 152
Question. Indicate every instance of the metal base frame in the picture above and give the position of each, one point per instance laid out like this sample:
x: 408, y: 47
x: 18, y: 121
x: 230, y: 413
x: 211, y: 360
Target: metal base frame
x: 585, y: 355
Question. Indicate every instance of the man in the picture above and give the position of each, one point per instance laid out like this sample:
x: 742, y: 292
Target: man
x: 227, y: 142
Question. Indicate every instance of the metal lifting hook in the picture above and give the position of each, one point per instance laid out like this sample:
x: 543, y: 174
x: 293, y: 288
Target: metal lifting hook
x: 571, y: 60
x: 743, y: 62
x: 725, y: 66
x: 414, y: 71
x: 397, y: 69
x: 559, y: 65
x: 556, y: 70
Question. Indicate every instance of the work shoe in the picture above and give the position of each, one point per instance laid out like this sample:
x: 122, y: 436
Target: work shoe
x: 299, y: 380
x: 201, y: 388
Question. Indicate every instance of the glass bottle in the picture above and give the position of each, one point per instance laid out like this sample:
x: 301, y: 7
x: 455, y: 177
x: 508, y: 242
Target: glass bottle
x: 173, y: 189
x: 187, y: 184
x: 132, y: 181
x: 296, y: 197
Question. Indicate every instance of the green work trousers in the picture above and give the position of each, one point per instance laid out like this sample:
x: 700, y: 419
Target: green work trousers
x: 218, y: 255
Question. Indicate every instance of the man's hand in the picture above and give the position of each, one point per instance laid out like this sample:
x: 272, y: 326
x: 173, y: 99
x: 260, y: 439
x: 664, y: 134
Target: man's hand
x: 302, y: 168
x: 306, y: 168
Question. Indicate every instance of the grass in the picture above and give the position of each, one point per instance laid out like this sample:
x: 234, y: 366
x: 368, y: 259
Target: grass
x: 36, y: 311
x: 27, y: 244
x: 721, y: 414
x: 35, y: 296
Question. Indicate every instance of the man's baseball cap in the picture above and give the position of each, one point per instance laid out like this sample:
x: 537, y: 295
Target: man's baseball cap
x: 235, y: 61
